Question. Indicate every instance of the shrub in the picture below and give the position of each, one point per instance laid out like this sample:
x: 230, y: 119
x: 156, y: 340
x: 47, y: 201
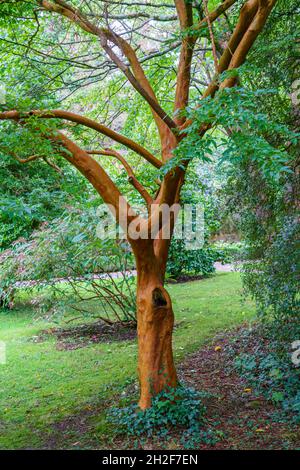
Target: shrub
x: 189, y: 262
x: 228, y: 252
x: 68, y: 258
x: 33, y: 194
x: 274, y: 280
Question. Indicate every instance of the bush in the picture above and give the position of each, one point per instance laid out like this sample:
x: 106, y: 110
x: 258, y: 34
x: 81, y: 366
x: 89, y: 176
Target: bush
x: 34, y: 193
x: 228, y: 252
x: 68, y: 258
x: 274, y: 280
x: 189, y: 262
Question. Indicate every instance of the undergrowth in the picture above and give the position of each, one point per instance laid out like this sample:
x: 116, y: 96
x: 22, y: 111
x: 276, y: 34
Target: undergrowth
x: 179, y: 409
x: 269, y: 370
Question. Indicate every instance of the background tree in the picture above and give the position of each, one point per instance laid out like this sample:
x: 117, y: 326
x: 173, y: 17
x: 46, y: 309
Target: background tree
x: 104, y: 35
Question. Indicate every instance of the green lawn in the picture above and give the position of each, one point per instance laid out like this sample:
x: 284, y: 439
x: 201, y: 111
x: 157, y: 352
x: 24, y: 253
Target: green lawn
x: 40, y: 385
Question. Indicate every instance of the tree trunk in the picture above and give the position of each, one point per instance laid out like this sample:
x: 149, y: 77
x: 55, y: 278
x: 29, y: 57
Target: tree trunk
x: 155, y: 320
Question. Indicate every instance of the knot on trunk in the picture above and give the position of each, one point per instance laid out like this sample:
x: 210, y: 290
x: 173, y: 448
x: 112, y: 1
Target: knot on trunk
x: 158, y: 298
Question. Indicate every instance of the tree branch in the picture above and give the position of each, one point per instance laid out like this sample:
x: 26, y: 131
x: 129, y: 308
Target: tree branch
x: 211, y: 34
x: 131, y: 176
x: 69, y: 116
x: 185, y: 14
x: 32, y: 158
x: 215, y: 14
x: 52, y: 164
x: 247, y: 13
x: 188, y: 43
x: 93, y: 172
x: 253, y: 16
x: 98, y: 177
x: 140, y: 83
x: 245, y: 44
x: 137, y: 78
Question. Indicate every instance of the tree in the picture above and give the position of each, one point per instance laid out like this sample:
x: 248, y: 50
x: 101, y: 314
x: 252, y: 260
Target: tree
x: 97, y: 19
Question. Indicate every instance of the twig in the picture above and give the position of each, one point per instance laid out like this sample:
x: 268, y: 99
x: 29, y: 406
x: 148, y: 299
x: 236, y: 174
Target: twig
x: 214, y: 49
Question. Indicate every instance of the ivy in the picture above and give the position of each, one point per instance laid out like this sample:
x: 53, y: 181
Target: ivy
x: 179, y: 408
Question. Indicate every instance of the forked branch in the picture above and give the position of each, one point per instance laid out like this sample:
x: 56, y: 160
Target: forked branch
x: 137, y: 78
x: 98, y: 177
x: 32, y: 158
x: 131, y: 176
x: 189, y: 32
x: 90, y: 123
x: 245, y: 44
x: 253, y: 16
x: 91, y: 169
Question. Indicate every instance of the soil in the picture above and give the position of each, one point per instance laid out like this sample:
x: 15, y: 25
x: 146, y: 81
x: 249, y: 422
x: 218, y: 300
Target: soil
x: 186, y: 278
x: 83, y: 335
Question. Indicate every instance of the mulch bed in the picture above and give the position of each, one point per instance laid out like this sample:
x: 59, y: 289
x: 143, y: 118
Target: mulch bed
x: 186, y: 278
x: 83, y: 335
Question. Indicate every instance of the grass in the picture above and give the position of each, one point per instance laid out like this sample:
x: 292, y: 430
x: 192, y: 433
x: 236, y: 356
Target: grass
x: 40, y: 385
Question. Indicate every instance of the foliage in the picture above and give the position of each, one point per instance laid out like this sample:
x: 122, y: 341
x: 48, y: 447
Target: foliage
x: 234, y: 109
x: 269, y: 371
x: 201, y: 191
x: 267, y: 199
x: 173, y: 408
x: 32, y: 194
x: 228, y: 252
x: 274, y: 280
x: 267, y: 203
x: 183, y: 261
x: 67, y: 256
x: 270, y: 227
